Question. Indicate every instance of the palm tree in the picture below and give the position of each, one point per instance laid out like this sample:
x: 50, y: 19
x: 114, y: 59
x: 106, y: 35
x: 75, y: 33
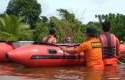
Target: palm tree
x: 13, y: 29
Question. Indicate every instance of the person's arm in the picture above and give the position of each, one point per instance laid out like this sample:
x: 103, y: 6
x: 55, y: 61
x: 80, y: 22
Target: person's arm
x: 82, y: 47
x: 73, y: 51
x: 117, y: 47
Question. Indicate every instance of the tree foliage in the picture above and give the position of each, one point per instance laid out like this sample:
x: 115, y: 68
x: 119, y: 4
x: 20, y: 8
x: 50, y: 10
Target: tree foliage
x: 67, y: 25
x: 12, y: 29
x: 117, y: 24
x: 29, y: 9
x: 41, y: 29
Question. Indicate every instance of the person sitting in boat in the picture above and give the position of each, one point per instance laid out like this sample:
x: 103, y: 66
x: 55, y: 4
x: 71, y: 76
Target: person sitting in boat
x: 110, y: 45
x: 51, y: 37
x: 91, y: 48
x: 68, y: 39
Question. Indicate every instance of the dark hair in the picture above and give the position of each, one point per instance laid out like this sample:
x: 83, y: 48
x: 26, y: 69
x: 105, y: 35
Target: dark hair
x: 106, y: 26
x: 91, y: 31
x: 52, y: 31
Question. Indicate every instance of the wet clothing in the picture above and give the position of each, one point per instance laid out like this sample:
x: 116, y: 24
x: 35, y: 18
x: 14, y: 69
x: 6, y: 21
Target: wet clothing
x: 49, y: 39
x: 93, y: 53
x: 110, y: 61
x: 111, y: 72
x: 93, y: 75
x: 110, y: 48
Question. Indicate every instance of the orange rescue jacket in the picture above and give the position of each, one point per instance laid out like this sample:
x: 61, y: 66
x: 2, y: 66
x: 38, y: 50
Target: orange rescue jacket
x: 49, y: 39
x: 93, y: 53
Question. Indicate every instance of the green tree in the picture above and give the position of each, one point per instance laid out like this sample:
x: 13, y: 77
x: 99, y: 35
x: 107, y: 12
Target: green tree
x: 96, y: 25
x: 41, y: 29
x: 29, y: 9
x: 67, y: 25
x: 117, y: 23
x: 12, y: 29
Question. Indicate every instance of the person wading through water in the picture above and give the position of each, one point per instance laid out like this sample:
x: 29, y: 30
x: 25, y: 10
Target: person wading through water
x: 91, y: 48
x: 110, y: 45
x: 51, y: 37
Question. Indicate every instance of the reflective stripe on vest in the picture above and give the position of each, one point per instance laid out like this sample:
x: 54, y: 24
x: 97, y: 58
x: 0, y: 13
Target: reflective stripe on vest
x: 108, y: 41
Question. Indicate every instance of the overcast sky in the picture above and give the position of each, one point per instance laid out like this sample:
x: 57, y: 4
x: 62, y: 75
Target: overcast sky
x: 84, y: 10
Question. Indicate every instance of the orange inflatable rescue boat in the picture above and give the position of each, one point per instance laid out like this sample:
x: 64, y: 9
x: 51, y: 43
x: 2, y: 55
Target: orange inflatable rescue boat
x: 37, y: 55
x: 4, y: 48
x: 122, y: 49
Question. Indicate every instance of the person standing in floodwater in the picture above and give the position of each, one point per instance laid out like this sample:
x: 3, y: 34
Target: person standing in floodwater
x: 91, y: 48
x: 110, y: 45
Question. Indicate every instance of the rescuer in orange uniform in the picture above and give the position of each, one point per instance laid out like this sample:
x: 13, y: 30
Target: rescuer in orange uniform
x: 110, y: 45
x: 51, y: 37
x: 91, y: 48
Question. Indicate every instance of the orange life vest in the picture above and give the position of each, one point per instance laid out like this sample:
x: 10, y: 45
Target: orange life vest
x: 108, y: 41
x: 49, y: 39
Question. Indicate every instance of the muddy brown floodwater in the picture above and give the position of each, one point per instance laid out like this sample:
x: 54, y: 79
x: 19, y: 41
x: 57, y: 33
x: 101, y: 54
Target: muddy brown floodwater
x: 12, y: 71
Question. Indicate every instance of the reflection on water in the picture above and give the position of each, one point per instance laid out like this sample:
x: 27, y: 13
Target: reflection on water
x: 11, y: 71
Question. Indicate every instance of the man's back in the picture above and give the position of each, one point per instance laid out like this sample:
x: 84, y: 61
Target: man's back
x: 93, y: 53
x: 110, y: 45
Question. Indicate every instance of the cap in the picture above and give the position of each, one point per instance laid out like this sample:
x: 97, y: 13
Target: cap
x: 91, y: 31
